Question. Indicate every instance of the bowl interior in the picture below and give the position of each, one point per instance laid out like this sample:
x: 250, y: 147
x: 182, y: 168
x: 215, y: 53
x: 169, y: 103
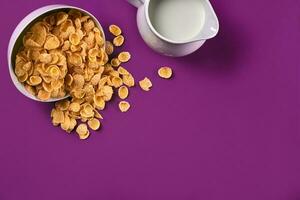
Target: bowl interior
x: 19, y: 43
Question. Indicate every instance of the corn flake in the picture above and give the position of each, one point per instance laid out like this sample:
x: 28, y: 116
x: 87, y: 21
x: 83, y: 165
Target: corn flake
x: 123, y: 92
x: 52, y: 42
x: 145, y: 84
x: 109, y: 48
x: 34, y: 80
x: 165, y: 72
x: 124, y: 56
x: 74, y: 107
x: 128, y: 80
x: 124, y: 106
x: 115, y: 30
x: 118, y: 41
x: 43, y: 95
x: 117, y: 82
x: 94, y: 124
x: 115, y: 62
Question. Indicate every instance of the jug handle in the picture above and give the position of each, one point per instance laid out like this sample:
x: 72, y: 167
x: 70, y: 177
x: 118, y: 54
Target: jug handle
x: 136, y: 3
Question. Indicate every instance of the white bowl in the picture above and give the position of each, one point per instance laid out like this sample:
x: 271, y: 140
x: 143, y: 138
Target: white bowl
x: 16, y: 41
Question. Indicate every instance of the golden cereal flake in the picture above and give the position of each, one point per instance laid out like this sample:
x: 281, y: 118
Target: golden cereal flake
x: 35, y: 80
x: 109, y: 48
x: 82, y: 129
x: 165, y: 72
x: 85, y: 136
x: 45, y: 58
x: 122, y: 70
x: 62, y: 105
x: 37, y: 36
x: 52, y: 42
x: 117, y: 81
x: 87, y: 111
x: 66, y: 123
x: 73, y: 123
x: 115, y: 62
x: 118, y: 41
x: 145, y: 84
x: 69, y: 79
x: 30, y: 89
x: 43, y: 95
x: 74, y: 107
x: 96, y: 79
x: 124, y: 106
x: 61, y: 17
x: 115, y: 30
x: 94, y: 124
x: 128, y: 80
x: 75, y: 59
x: 88, y: 25
x: 123, y: 92
x: 23, y: 78
x: 47, y: 87
x: 53, y: 71
x: 99, y: 102
x: 78, y: 81
x: 57, y: 116
x: 74, y: 39
x: 124, y: 56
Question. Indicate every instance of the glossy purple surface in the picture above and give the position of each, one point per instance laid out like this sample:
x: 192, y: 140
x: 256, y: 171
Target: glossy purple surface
x: 226, y: 127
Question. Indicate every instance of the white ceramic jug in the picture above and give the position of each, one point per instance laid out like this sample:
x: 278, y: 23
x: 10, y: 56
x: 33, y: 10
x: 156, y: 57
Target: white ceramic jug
x: 191, y: 23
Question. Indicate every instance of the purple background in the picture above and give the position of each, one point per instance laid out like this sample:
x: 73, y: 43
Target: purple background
x: 225, y: 128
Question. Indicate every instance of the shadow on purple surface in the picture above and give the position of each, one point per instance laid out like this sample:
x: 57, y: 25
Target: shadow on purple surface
x: 46, y: 107
x: 220, y: 53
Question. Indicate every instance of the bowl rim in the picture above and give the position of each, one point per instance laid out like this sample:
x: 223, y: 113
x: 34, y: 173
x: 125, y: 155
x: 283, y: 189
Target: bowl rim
x: 20, y: 28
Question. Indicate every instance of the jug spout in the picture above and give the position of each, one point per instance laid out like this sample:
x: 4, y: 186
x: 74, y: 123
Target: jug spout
x: 211, y: 23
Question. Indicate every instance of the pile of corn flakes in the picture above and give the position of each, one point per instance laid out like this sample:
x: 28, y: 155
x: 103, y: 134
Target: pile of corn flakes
x: 66, y: 54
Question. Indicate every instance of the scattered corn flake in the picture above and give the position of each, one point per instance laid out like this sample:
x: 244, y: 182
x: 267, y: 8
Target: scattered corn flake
x: 115, y: 30
x: 115, y: 62
x: 74, y: 107
x: 124, y: 106
x: 145, y: 84
x: 62, y: 105
x: 124, y: 56
x: 99, y: 102
x: 118, y: 41
x: 94, y: 124
x: 82, y: 129
x: 85, y: 136
x: 109, y: 48
x: 67, y: 122
x: 123, y: 92
x: 128, y: 80
x: 165, y: 72
x: 57, y: 116
x: 117, y: 82
x: 122, y: 70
